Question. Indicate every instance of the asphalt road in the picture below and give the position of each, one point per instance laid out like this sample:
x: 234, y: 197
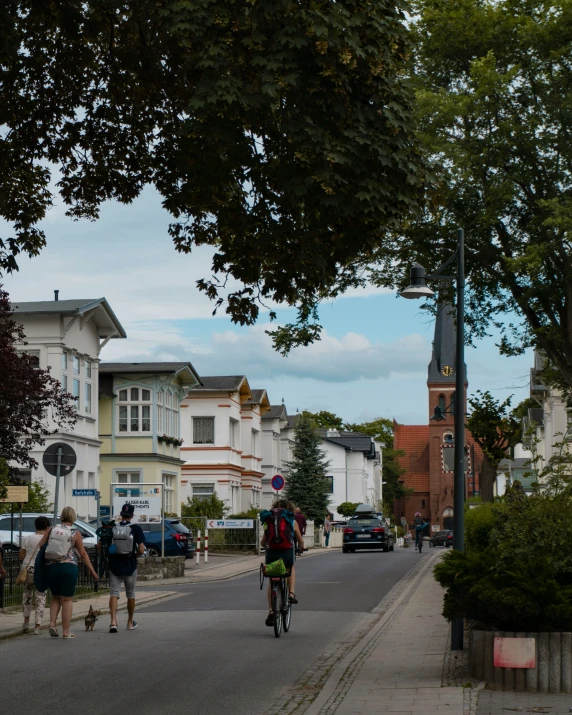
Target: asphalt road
x: 204, y: 652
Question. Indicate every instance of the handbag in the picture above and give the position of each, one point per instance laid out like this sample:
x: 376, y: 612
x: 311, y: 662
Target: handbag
x: 40, y: 571
x: 22, y: 577
x: 276, y: 568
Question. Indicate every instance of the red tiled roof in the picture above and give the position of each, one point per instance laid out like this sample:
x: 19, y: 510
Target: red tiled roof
x: 414, y: 441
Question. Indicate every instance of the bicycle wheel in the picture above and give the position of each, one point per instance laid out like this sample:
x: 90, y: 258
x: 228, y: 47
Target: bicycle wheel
x: 286, y: 611
x: 277, y: 611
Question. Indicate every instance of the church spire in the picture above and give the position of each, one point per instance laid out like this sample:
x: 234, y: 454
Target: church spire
x: 442, y: 365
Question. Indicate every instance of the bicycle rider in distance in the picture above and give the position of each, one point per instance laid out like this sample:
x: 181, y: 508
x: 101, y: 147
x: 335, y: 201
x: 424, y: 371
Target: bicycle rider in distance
x: 281, y: 545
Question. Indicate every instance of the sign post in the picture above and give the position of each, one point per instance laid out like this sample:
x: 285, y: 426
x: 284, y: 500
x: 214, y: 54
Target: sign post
x: 277, y: 483
x: 59, y: 460
x: 16, y: 495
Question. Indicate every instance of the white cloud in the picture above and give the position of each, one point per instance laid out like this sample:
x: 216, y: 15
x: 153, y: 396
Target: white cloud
x: 250, y: 352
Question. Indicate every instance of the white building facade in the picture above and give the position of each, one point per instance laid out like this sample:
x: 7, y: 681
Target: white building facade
x: 221, y: 429
x: 354, y: 460
x: 66, y: 337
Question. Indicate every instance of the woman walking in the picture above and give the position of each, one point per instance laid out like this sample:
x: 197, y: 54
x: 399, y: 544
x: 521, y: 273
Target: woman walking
x: 28, y: 557
x: 64, y: 550
x: 327, y: 529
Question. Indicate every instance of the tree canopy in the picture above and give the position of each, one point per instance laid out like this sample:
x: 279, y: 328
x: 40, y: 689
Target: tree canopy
x: 325, y: 419
x: 278, y: 132
x: 496, y: 429
x: 32, y: 404
x: 494, y: 87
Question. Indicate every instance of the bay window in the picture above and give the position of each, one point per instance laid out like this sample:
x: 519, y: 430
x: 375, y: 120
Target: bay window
x: 134, y: 410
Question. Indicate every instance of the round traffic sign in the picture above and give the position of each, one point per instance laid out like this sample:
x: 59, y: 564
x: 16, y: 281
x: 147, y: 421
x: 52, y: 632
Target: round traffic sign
x: 277, y: 482
x: 59, y: 452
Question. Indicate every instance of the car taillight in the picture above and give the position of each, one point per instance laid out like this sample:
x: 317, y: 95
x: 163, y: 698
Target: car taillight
x: 180, y: 537
x: 378, y: 530
x: 348, y: 531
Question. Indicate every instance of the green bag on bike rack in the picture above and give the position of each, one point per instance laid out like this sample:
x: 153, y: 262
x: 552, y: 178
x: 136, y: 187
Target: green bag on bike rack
x: 276, y: 568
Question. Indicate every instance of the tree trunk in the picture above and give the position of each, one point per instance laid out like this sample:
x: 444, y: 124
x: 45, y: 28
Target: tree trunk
x: 487, y: 478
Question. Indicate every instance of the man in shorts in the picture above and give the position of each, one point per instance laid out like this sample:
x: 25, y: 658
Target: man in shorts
x: 123, y: 569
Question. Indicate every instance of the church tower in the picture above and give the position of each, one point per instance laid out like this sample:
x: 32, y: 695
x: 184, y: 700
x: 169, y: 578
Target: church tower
x: 441, y: 388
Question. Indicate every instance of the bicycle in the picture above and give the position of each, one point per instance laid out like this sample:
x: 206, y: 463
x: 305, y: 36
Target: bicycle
x: 280, y: 600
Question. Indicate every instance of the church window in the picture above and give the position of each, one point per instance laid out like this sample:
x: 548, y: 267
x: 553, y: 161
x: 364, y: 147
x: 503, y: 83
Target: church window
x: 423, y: 503
x: 442, y: 403
x: 448, y: 438
x: 453, y: 404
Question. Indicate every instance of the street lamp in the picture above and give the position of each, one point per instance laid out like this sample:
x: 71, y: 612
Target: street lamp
x: 418, y: 289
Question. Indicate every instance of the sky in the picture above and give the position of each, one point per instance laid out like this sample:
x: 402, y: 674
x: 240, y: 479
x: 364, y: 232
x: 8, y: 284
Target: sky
x: 371, y: 361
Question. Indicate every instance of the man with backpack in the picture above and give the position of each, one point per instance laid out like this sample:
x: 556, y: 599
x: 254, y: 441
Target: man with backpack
x: 127, y: 542
x: 280, y: 533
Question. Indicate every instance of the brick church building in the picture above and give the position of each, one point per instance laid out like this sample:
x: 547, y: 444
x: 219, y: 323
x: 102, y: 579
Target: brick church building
x: 429, y: 448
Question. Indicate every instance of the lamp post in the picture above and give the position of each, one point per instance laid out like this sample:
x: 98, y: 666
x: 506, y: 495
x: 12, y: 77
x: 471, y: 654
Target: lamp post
x: 418, y: 289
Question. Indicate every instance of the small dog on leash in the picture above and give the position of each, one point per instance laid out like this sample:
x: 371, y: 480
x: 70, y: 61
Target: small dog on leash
x: 91, y: 618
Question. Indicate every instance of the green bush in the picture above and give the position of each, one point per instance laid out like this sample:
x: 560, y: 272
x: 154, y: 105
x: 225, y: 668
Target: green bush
x: 516, y: 572
x: 213, y: 507
x: 348, y: 508
x: 252, y: 513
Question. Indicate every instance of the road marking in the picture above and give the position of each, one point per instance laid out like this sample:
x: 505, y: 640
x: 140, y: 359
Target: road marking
x: 307, y: 582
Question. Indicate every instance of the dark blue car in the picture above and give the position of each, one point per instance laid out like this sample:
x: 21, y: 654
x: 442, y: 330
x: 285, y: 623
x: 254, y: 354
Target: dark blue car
x: 178, y: 539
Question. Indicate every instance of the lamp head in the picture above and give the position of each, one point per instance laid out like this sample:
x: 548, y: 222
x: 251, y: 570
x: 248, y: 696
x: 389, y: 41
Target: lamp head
x: 437, y: 415
x: 417, y: 287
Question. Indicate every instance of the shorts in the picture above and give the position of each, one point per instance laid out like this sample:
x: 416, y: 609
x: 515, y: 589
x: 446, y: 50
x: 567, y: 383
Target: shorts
x: 287, y: 555
x: 115, y: 584
x: 62, y: 579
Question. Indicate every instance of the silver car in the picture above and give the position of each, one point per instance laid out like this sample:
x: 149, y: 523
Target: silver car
x: 11, y: 538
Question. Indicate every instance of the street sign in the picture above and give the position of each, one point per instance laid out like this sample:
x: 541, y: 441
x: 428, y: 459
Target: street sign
x: 230, y: 524
x: 67, y: 459
x: 147, y: 509
x: 277, y: 482
x: 514, y: 653
x: 104, y: 510
x: 84, y: 492
x: 16, y: 494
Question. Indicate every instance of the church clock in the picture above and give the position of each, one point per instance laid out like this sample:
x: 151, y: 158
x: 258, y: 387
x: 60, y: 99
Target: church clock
x: 447, y: 370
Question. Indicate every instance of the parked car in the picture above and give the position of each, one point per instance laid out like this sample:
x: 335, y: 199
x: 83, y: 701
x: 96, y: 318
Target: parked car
x: 442, y: 538
x: 11, y: 538
x: 178, y: 539
x: 367, y: 531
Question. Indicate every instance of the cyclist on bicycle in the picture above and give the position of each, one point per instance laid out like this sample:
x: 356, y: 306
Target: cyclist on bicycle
x: 281, y: 532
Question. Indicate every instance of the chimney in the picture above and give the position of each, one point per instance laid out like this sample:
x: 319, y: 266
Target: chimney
x: 56, y: 294
x: 332, y: 433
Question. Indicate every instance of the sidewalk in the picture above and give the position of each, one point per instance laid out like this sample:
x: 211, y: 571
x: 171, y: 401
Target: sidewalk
x: 11, y: 623
x: 397, y: 668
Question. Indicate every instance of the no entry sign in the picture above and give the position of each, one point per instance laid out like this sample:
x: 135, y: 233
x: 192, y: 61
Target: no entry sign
x: 277, y: 482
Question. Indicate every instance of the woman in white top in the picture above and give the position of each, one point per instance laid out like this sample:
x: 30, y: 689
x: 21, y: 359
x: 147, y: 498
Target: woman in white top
x: 28, y: 554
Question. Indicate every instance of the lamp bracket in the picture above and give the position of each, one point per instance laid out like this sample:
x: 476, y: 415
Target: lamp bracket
x: 442, y: 267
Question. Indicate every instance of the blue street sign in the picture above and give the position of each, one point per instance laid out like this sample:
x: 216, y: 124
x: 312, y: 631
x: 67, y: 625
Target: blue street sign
x: 104, y: 510
x: 84, y: 492
x: 277, y: 482
x: 122, y: 491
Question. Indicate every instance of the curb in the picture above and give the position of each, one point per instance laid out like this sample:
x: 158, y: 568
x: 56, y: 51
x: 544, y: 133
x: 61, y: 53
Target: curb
x: 104, y: 611
x: 339, y: 671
